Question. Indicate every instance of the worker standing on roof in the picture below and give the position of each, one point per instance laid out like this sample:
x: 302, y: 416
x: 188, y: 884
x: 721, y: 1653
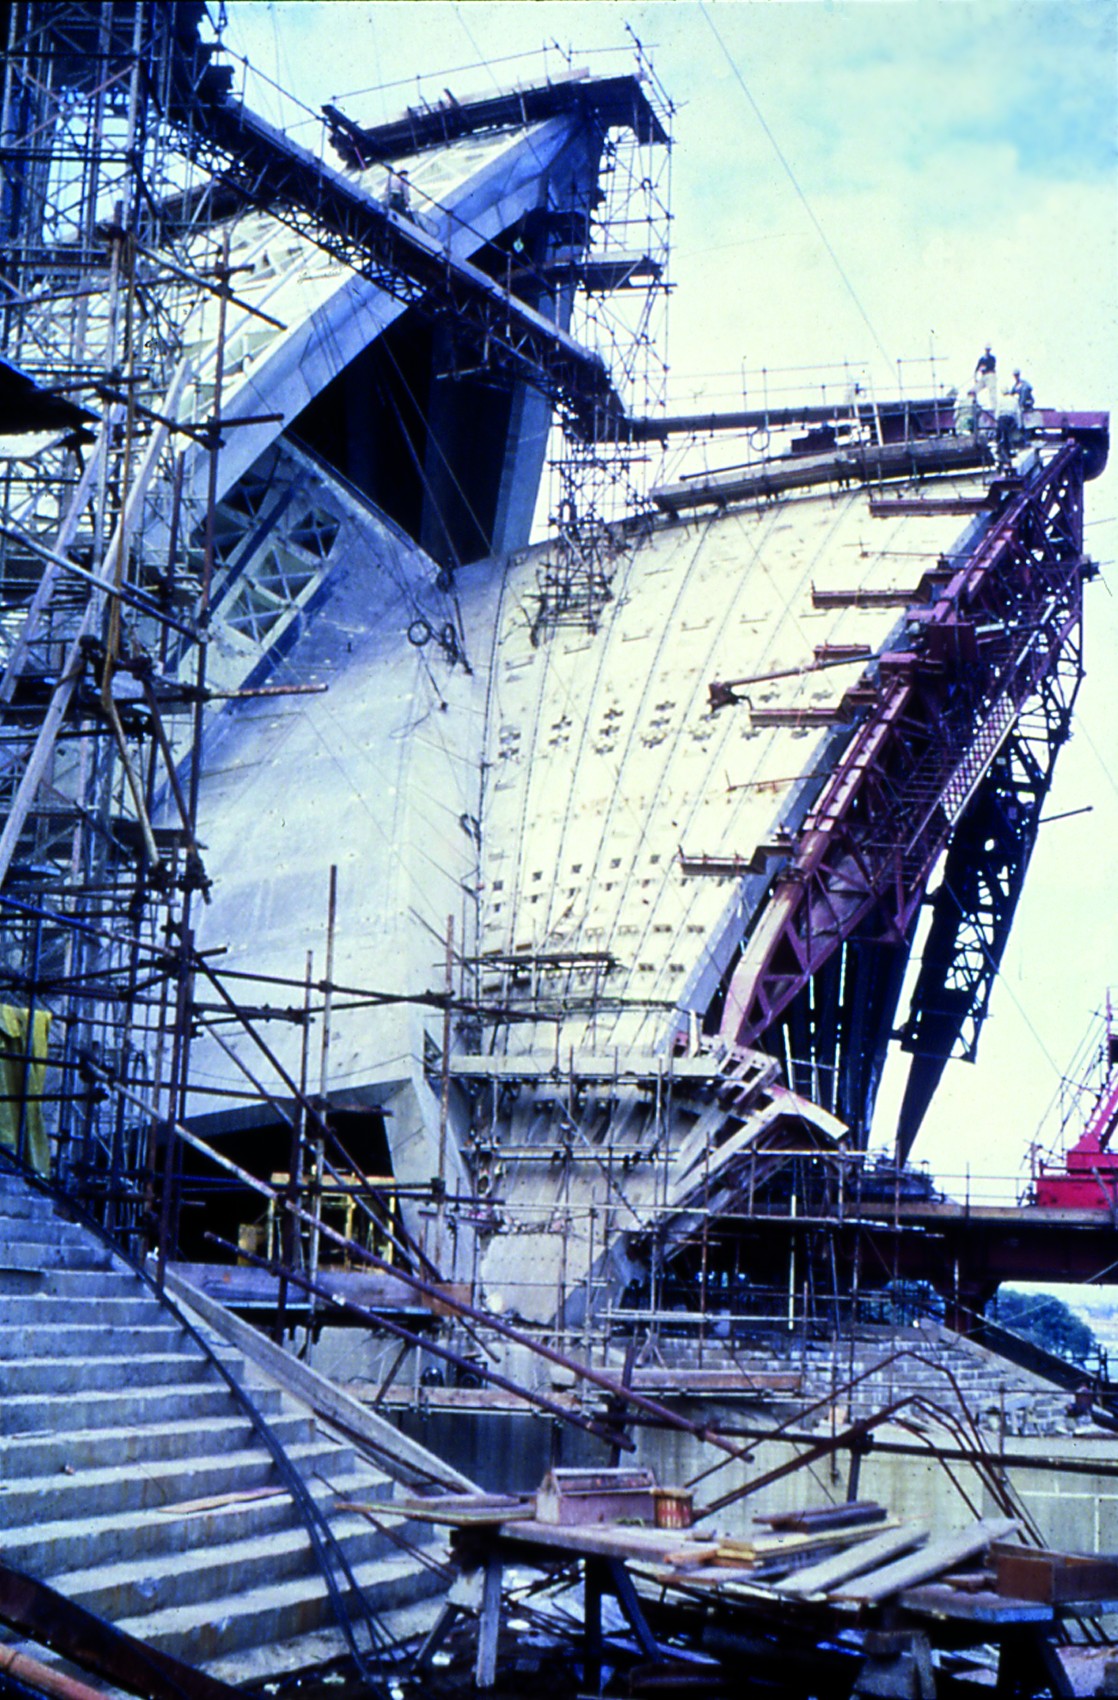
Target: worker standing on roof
x: 1023, y: 391
x: 1007, y: 430
x: 966, y: 414
x: 397, y: 192
x: 986, y: 380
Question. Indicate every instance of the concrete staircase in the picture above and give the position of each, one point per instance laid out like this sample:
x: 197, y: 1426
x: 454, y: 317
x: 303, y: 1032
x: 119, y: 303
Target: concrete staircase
x: 935, y: 1364
x: 114, y: 1423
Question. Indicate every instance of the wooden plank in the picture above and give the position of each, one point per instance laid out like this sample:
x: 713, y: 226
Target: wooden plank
x: 653, y: 1546
x: 932, y: 1561
x: 686, y: 1558
x: 717, y: 1381
x: 489, y: 1627
x: 768, y: 1547
x: 718, y: 1576
x: 214, y: 1502
x: 869, y: 1554
x: 408, y: 1457
x: 825, y: 1517
x: 510, y: 1504
x: 938, y: 1600
x: 461, y: 1515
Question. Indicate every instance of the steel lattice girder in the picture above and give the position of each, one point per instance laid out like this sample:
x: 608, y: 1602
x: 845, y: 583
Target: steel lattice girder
x: 511, y: 339
x: 981, y: 647
x: 974, y: 906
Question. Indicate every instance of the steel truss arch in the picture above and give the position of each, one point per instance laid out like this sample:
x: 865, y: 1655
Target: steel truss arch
x: 985, y: 644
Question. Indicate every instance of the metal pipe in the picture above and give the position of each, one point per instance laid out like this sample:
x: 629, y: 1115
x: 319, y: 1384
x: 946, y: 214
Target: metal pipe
x: 73, y: 664
x: 323, y: 1082
x: 124, y: 593
x: 444, y: 1095
x: 288, y: 1228
x: 377, y: 1319
x: 457, y: 1307
x: 765, y: 418
x: 311, y: 1109
x: 43, y: 1679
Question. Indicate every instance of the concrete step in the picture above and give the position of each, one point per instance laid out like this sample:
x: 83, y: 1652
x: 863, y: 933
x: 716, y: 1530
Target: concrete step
x: 161, y: 1484
x: 11, y: 1181
x: 135, y: 1588
x: 51, y: 1310
x: 284, y: 1611
x: 411, y: 1620
x: 46, y: 1376
x: 109, y: 1280
x: 113, y: 1423
x: 56, y: 1413
x: 90, y: 1339
x: 23, y: 1206
x: 28, y: 1256
x: 139, y: 1444
x: 48, y: 1226
x: 51, y: 1548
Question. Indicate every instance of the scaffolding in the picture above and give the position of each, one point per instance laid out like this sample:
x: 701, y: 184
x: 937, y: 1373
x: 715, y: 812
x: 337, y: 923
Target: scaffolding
x: 124, y: 157
x: 104, y: 254
x: 115, y: 269
x: 618, y: 262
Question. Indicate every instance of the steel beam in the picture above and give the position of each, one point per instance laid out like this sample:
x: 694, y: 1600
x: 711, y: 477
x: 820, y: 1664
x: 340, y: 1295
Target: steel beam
x: 513, y: 341
x: 615, y: 103
x: 976, y: 901
x: 94, y: 1645
x: 981, y: 647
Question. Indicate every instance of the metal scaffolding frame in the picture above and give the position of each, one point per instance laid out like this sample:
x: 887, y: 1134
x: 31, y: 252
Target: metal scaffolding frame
x: 619, y: 265
x: 121, y: 152
x: 98, y: 274
x: 985, y: 634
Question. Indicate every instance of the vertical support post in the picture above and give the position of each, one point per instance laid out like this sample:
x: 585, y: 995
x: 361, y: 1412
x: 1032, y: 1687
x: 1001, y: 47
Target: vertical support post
x: 323, y: 1091
x: 705, y: 1251
x: 593, y: 1573
x: 289, y: 1230
x: 854, y: 1478
x: 168, y: 1212
x: 489, y: 1625
x: 589, y: 1284
x: 444, y: 1098
x: 792, y: 1266
x: 214, y: 428
x: 29, y: 1041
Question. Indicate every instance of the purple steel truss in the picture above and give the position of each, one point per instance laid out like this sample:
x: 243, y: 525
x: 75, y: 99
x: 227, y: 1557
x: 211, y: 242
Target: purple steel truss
x: 981, y: 640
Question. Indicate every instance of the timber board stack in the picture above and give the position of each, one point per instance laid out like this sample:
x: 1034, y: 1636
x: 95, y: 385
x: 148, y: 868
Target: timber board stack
x: 900, y: 1602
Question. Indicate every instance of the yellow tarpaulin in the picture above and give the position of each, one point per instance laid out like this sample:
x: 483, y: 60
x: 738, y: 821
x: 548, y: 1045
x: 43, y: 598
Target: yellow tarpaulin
x: 21, y: 1083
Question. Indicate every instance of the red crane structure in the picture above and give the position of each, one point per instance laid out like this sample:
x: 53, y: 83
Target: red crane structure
x: 1088, y: 1178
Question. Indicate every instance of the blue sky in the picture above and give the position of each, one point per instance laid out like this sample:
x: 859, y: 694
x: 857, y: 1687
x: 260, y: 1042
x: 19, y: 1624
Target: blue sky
x: 960, y: 159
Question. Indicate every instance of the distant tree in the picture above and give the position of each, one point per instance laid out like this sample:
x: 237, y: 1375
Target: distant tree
x: 1045, y: 1320
x: 902, y: 1303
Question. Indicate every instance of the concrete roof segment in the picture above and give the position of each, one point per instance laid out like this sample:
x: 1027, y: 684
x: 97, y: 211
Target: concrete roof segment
x: 604, y: 759
x: 374, y: 775
x: 587, y: 759
x: 466, y: 196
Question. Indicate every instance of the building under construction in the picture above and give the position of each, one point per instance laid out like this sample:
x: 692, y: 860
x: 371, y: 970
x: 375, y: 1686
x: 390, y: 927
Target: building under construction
x: 408, y: 922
